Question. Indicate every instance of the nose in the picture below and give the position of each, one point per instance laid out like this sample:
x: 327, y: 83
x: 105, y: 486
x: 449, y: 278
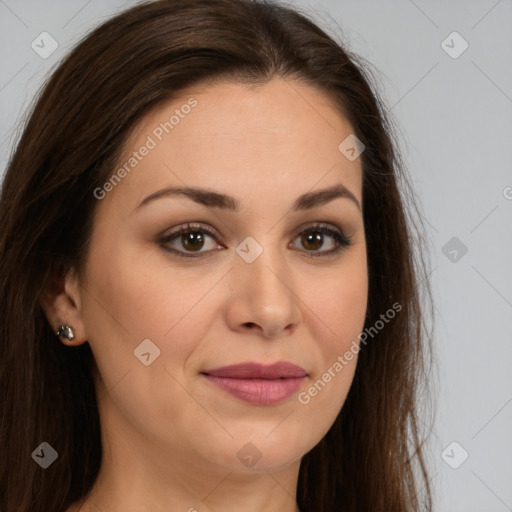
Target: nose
x: 263, y: 300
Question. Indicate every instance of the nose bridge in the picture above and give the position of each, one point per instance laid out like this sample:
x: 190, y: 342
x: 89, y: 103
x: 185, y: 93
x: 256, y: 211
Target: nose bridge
x: 263, y: 282
x: 269, y: 266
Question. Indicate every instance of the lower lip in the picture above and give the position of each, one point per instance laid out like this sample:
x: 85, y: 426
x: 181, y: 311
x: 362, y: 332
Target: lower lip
x: 259, y: 391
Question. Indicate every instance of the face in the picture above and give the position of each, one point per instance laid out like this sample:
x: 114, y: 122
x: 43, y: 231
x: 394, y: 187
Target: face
x: 260, y: 277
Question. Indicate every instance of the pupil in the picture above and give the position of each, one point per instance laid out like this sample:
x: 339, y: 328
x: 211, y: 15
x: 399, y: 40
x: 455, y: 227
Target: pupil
x: 312, y: 238
x: 191, y: 239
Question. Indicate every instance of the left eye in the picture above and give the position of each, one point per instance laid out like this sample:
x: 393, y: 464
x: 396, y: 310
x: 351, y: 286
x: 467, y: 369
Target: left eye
x: 192, y: 239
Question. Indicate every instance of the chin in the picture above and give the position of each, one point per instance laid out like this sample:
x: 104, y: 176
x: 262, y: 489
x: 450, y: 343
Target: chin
x: 262, y: 450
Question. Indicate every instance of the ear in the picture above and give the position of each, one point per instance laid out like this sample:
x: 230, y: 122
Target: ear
x: 61, y: 302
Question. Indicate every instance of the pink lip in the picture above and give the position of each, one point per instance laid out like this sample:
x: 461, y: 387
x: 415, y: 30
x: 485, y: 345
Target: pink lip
x: 258, y: 384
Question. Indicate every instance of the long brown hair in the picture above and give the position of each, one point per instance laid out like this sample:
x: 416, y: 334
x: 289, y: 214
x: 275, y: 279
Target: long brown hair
x: 372, y: 459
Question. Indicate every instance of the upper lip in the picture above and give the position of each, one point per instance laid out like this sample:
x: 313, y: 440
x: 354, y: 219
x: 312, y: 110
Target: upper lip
x: 279, y: 370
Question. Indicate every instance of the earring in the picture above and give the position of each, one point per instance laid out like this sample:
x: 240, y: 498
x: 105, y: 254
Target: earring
x: 66, y: 332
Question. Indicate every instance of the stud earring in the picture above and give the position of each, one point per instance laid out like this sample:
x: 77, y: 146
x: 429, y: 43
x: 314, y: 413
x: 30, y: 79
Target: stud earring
x: 67, y: 332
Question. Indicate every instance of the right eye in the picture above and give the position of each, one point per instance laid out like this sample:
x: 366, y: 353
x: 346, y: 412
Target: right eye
x: 190, y: 237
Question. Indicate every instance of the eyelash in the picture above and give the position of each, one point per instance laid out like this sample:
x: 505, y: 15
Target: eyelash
x: 342, y: 240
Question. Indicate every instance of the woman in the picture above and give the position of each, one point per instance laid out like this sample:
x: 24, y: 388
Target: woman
x: 209, y: 296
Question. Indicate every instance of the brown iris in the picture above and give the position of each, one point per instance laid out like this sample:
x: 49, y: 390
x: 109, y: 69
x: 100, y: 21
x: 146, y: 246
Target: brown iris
x: 313, y: 238
x: 192, y: 240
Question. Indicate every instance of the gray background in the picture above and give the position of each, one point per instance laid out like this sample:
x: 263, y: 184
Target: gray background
x: 455, y: 121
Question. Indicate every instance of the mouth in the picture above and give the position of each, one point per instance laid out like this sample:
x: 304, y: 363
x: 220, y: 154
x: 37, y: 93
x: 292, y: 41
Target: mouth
x: 257, y: 383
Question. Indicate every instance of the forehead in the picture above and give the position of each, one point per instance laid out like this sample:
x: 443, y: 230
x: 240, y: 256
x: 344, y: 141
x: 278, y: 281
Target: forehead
x: 282, y: 136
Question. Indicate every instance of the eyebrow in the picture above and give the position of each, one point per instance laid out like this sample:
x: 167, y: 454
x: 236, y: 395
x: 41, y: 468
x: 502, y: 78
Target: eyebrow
x: 213, y: 199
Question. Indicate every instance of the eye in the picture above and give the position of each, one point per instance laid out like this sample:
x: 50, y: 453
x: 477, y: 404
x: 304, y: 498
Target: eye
x: 192, y: 239
x: 313, y: 238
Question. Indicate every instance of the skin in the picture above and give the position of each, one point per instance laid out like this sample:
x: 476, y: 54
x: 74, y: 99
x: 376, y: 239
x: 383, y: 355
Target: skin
x: 170, y: 439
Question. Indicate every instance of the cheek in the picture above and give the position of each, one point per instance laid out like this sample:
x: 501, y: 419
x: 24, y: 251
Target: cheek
x: 144, y: 300
x: 338, y: 315
x: 339, y: 305
x: 138, y: 296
